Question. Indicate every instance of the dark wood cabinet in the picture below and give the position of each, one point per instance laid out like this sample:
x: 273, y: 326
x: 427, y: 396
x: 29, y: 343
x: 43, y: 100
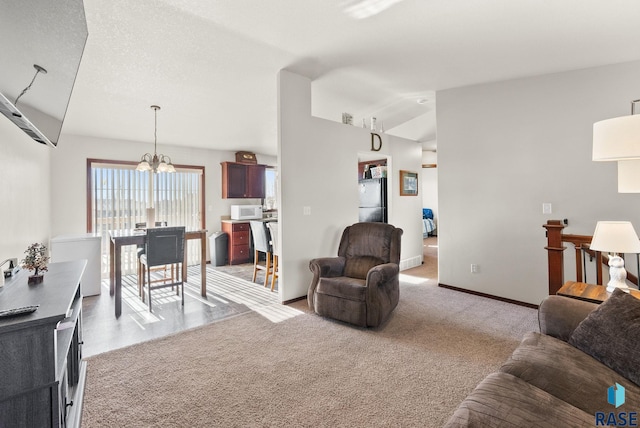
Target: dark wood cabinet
x: 242, y: 180
x: 239, y: 241
x: 41, y: 363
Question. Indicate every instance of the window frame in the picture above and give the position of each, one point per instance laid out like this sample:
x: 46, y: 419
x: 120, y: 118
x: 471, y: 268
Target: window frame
x: 92, y: 161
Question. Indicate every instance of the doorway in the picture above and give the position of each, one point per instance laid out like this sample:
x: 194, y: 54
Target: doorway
x: 373, y: 200
x: 429, y: 185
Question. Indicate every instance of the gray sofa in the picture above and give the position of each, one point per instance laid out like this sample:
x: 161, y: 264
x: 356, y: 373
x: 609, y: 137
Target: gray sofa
x: 561, y: 376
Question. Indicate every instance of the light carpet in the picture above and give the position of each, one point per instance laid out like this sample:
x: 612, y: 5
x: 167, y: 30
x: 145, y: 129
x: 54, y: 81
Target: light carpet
x: 306, y: 371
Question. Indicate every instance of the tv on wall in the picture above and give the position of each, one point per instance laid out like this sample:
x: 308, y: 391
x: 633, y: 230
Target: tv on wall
x: 41, y: 45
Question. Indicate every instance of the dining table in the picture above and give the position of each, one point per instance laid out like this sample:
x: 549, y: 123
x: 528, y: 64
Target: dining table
x: 122, y: 237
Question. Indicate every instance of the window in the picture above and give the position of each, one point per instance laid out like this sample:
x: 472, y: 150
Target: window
x: 118, y: 197
x: 271, y: 189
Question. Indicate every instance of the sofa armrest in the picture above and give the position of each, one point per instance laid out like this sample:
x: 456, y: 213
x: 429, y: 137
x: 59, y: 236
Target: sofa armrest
x: 323, y: 267
x: 328, y: 266
x: 558, y: 316
x: 383, y: 292
x: 384, y: 273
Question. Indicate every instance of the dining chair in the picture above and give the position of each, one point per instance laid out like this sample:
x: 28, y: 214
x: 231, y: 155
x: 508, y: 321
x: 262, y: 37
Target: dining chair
x: 260, y: 245
x: 164, y: 246
x: 140, y: 251
x: 275, y: 251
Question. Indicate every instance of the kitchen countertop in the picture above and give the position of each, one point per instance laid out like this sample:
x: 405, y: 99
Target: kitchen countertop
x: 247, y: 221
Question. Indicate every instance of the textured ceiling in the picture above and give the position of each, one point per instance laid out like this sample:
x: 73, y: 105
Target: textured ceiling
x: 212, y: 65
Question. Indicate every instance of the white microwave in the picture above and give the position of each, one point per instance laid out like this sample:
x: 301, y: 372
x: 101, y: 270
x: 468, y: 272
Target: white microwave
x: 246, y: 212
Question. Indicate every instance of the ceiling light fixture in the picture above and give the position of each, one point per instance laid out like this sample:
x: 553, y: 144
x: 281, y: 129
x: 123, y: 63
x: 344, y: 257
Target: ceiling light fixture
x: 618, y: 138
x: 155, y: 162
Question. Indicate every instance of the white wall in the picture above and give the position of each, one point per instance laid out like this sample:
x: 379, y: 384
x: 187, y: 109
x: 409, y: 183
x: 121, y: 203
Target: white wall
x: 69, y: 177
x: 24, y: 191
x: 318, y: 169
x: 505, y: 148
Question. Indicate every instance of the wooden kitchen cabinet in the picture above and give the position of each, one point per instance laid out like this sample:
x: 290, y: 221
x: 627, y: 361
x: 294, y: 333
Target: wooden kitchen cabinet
x: 242, y: 180
x: 239, y: 243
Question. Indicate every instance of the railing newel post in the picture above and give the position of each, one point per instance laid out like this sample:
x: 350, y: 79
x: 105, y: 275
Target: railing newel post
x: 555, y: 253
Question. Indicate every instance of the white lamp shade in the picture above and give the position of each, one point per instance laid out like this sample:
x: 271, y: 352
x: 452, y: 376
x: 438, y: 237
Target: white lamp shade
x: 143, y: 166
x: 629, y: 176
x: 617, y: 139
x: 615, y: 237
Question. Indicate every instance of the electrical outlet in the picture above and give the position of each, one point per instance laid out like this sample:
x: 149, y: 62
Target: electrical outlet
x: 475, y: 268
x: 306, y: 210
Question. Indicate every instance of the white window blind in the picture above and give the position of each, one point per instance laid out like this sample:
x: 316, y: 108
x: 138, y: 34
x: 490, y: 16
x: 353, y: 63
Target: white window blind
x: 120, y: 197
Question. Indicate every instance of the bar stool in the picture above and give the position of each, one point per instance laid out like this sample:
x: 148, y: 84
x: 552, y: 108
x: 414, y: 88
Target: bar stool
x: 275, y: 248
x: 261, y: 245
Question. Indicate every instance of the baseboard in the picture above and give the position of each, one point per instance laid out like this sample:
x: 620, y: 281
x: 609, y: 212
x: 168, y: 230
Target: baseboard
x: 489, y: 296
x: 410, y: 263
x: 297, y: 299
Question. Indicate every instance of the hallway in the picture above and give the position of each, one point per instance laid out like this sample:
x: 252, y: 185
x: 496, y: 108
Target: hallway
x: 428, y: 271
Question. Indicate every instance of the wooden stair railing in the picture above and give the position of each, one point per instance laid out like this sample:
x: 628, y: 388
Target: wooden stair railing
x: 555, y: 252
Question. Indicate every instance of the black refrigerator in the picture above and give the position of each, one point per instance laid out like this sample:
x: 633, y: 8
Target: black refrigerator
x: 373, y: 200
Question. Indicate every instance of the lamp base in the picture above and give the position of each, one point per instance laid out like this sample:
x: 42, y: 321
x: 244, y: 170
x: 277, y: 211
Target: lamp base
x: 611, y: 288
x: 617, y: 275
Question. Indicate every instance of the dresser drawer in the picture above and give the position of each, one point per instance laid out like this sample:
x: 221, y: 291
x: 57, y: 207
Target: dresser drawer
x: 240, y: 238
x: 237, y: 227
x: 240, y: 254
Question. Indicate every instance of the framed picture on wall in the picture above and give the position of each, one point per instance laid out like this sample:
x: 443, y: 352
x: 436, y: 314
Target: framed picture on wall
x: 408, y: 183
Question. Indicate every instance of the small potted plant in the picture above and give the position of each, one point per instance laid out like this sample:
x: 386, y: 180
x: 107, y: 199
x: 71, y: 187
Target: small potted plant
x: 35, y: 259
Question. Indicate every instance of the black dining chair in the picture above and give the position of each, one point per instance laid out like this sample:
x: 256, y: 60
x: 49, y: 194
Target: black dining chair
x: 140, y: 251
x: 164, y: 246
x: 261, y: 245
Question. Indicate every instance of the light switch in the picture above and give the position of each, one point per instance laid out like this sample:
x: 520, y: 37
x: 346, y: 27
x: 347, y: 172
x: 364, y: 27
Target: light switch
x: 306, y: 210
x: 546, y: 208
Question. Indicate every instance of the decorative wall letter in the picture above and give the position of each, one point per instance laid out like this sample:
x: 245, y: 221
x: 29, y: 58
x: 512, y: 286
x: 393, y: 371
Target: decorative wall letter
x: 373, y: 149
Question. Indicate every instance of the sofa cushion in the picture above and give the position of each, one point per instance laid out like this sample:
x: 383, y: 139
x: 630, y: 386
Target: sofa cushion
x: 503, y: 400
x: 568, y: 374
x: 358, y: 266
x: 610, y: 334
x: 343, y: 287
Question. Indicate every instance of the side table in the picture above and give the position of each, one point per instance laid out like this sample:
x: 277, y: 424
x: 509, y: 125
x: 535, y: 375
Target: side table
x: 588, y: 292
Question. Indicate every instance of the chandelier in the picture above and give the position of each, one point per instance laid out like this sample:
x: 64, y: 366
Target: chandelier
x: 155, y: 162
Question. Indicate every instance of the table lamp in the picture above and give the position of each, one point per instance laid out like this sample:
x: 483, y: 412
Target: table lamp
x: 616, y: 237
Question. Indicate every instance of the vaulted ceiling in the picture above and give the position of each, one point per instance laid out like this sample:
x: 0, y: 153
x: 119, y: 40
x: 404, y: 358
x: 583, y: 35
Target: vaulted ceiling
x: 212, y: 65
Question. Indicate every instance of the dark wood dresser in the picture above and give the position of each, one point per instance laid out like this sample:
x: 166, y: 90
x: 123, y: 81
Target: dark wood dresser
x: 239, y: 241
x: 41, y: 368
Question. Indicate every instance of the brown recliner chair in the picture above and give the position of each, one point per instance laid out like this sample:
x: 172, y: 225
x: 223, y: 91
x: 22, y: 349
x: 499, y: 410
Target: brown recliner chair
x: 361, y: 285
